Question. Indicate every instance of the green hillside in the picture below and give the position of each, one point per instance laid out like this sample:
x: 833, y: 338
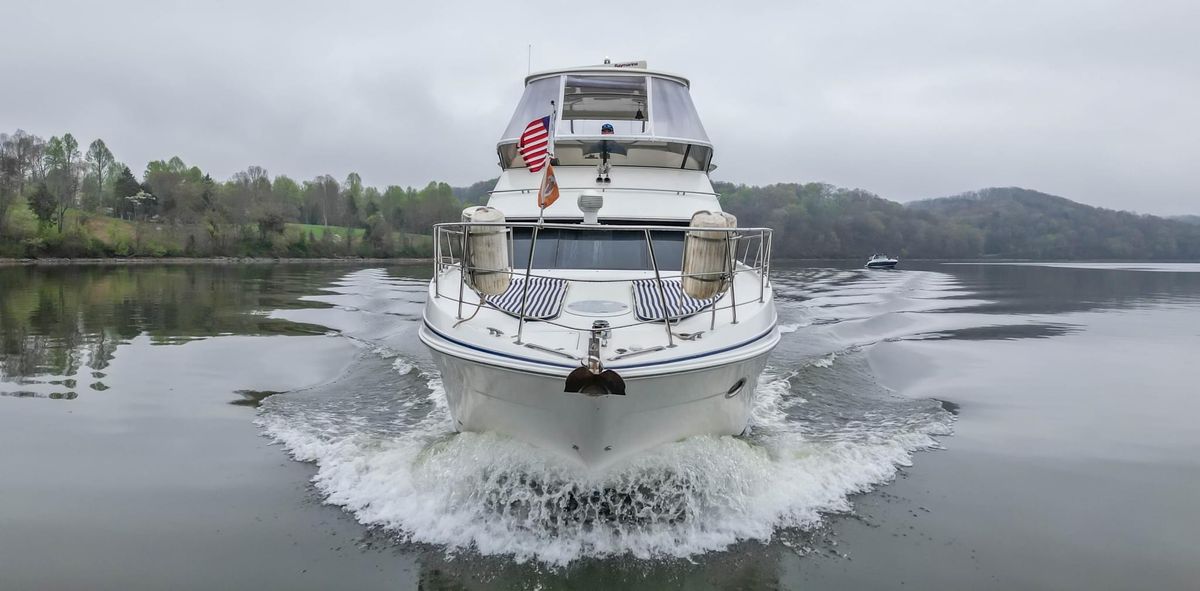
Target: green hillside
x: 60, y: 199
x: 816, y: 220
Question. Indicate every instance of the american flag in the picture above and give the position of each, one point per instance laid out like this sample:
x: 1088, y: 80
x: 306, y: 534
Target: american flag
x: 534, y: 144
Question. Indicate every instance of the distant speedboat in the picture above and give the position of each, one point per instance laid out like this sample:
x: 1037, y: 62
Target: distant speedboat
x: 882, y: 261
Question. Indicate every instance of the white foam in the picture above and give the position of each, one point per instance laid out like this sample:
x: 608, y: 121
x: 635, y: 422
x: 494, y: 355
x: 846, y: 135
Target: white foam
x: 397, y: 464
x: 403, y: 366
x: 495, y: 495
x: 825, y: 361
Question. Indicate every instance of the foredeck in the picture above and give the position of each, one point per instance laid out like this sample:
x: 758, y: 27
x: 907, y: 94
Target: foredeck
x: 649, y: 319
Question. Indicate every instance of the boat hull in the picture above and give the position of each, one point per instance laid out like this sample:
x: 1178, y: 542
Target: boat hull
x: 882, y: 265
x: 597, y: 431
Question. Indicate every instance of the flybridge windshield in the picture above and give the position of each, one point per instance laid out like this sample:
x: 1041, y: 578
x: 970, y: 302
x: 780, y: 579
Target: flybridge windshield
x: 628, y: 119
x: 535, y: 103
x: 674, y: 114
x: 592, y: 102
x: 620, y: 153
x: 616, y: 105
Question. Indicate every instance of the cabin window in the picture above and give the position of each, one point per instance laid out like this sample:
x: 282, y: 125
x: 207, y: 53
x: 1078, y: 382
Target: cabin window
x: 697, y: 157
x: 591, y: 102
x: 634, y: 153
x: 598, y: 249
x: 620, y: 153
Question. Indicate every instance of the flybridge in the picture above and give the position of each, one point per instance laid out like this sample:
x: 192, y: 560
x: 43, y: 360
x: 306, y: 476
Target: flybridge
x: 621, y: 113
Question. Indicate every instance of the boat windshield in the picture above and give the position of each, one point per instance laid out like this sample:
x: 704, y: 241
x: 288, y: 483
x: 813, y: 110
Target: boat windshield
x: 598, y: 249
x: 619, y: 153
x: 632, y: 119
x: 595, y: 105
x: 536, y: 102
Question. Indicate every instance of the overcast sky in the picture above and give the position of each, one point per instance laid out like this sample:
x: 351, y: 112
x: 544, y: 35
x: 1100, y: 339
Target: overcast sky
x: 1092, y: 100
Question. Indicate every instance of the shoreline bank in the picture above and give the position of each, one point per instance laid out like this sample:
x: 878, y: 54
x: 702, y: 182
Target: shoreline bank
x: 205, y: 261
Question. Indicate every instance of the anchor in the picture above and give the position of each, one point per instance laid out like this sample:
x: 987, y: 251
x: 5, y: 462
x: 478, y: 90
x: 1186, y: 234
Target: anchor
x: 592, y: 379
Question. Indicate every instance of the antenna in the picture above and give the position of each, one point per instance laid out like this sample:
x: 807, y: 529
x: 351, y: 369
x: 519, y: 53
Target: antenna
x: 529, y: 59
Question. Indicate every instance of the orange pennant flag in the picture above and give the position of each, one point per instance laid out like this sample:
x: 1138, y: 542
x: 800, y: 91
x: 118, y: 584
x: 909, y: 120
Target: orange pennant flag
x: 548, y: 191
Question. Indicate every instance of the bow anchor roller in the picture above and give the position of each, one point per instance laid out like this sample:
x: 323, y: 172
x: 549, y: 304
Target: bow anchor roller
x: 592, y: 378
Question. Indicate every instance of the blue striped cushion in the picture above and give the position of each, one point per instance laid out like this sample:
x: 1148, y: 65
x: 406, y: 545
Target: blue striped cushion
x: 648, y: 301
x: 543, y: 303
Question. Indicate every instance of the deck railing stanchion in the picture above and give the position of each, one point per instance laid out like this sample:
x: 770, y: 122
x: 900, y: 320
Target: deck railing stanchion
x: 712, y: 323
x: 512, y: 250
x: 770, y: 244
x: 462, y: 271
x: 437, y: 262
x: 525, y: 287
x: 761, y: 263
x: 731, y: 259
x: 662, y: 290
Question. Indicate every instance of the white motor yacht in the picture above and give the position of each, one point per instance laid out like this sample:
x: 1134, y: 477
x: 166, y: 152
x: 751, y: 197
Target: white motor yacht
x: 882, y: 261
x: 626, y: 313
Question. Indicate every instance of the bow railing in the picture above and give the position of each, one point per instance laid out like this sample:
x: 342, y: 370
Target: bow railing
x: 749, y: 252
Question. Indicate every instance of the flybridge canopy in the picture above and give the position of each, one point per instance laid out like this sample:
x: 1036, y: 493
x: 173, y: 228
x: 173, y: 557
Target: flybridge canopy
x: 623, y: 104
x: 636, y: 67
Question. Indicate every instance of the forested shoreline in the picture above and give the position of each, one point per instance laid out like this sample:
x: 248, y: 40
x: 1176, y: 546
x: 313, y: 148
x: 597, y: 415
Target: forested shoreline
x: 817, y: 220
x: 60, y: 199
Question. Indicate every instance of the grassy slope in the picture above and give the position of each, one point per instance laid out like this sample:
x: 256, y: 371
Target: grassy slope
x: 118, y: 235
x: 318, y: 230
x: 293, y: 231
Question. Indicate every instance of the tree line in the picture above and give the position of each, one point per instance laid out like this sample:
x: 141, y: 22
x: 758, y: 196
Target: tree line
x: 59, y: 198
x: 817, y: 220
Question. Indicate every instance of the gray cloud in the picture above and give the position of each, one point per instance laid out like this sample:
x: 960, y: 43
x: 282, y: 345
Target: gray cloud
x: 1090, y: 100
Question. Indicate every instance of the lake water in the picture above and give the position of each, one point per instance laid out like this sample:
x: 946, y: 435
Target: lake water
x: 943, y: 426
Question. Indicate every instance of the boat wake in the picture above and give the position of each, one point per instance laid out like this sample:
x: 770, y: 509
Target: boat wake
x: 384, y: 449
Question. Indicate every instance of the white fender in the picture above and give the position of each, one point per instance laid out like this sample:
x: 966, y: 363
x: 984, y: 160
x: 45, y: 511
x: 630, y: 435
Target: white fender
x: 707, y: 259
x: 489, y: 272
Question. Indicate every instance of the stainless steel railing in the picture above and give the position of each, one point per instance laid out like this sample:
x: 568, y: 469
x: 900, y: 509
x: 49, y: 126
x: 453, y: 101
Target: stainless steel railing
x: 749, y: 252
x: 604, y: 189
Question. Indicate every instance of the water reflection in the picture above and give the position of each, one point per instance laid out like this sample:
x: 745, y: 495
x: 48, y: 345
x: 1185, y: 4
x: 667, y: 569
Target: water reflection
x: 1045, y: 289
x: 748, y: 565
x: 1004, y: 332
x: 845, y: 328
x: 61, y: 326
